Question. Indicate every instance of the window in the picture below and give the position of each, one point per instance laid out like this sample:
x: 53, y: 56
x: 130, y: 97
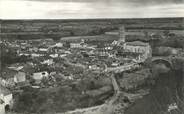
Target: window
x: 43, y: 73
x: 1, y: 101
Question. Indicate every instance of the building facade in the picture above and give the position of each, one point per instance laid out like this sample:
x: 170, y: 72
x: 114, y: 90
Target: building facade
x: 144, y: 49
x: 20, y: 77
x: 75, y: 45
x: 40, y: 75
x: 6, y: 99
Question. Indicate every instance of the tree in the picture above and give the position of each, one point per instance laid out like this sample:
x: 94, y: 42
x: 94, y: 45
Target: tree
x: 166, y: 33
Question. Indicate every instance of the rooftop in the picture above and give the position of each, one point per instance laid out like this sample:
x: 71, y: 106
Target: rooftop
x: 8, y: 73
x: 4, y: 90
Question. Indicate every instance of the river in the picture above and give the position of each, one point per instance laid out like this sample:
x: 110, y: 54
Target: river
x: 166, y: 91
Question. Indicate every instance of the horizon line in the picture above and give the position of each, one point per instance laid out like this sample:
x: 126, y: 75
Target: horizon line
x: 88, y: 18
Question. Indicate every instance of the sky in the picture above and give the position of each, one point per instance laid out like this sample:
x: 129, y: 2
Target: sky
x: 90, y: 9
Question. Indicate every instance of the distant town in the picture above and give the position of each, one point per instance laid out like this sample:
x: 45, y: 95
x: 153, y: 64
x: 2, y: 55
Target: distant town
x: 80, y: 73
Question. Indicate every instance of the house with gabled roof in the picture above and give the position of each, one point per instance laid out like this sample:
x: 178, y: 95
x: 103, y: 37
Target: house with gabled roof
x: 6, y: 99
x: 10, y: 77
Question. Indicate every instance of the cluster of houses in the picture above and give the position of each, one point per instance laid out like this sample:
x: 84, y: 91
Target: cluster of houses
x: 19, y: 78
x: 18, y: 75
x: 14, y: 79
x: 136, y: 50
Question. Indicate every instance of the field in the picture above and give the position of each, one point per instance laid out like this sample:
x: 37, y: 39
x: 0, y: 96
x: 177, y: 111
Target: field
x: 34, y: 29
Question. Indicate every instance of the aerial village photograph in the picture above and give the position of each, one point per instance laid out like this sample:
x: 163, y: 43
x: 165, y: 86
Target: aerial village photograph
x: 91, y: 57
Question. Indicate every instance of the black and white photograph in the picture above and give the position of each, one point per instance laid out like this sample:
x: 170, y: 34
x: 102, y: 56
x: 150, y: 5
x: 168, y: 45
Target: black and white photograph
x: 91, y: 56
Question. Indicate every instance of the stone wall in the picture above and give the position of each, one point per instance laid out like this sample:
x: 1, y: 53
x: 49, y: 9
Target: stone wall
x: 2, y: 109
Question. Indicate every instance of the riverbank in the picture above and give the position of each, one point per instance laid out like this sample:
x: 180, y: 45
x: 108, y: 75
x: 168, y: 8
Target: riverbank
x: 165, y: 93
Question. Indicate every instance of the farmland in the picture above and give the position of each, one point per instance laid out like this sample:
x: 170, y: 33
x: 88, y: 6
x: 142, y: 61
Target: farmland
x: 35, y: 29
